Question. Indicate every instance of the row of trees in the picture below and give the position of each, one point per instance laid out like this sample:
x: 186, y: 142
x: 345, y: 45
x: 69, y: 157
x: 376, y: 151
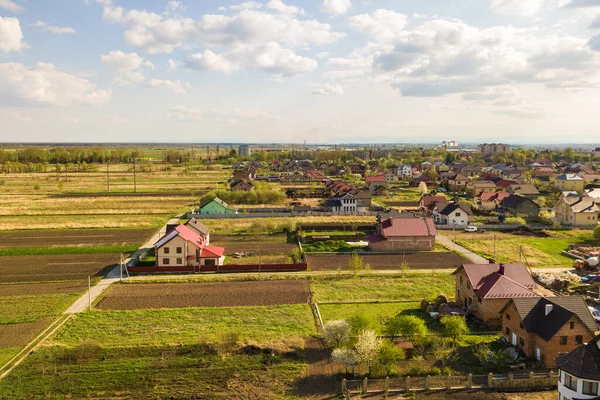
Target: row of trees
x: 263, y: 193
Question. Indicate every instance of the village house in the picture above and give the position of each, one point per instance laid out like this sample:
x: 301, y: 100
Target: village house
x: 594, y: 194
x: 489, y: 201
x: 405, y: 171
x: 520, y: 205
x: 458, y: 183
x: 472, y: 170
x: 503, y: 184
x: 476, y: 187
x: 579, y: 372
x: 347, y: 203
x: 446, y: 176
x: 184, y: 247
x: 526, y: 190
x: 486, y: 288
x: 375, y: 179
x: 454, y: 214
x: 569, y: 182
x: 248, y: 174
x: 544, y: 328
x: 417, y: 179
x: 241, y: 186
x: 404, y: 233
x: 199, y: 228
x: 576, y: 210
x: 543, y: 173
x: 428, y: 199
x: 217, y: 206
x: 390, y: 176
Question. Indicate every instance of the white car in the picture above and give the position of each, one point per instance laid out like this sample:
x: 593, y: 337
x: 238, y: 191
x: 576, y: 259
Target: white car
x: 471, y: 228
x: 595, y: 314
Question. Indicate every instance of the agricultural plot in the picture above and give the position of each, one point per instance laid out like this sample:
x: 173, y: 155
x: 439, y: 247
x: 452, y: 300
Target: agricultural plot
x: 221, y: 294
x: 258, y: 244
x: 424, y: 260
x: 83, y: 237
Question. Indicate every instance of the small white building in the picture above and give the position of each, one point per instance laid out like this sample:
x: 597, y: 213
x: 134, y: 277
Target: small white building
x: 453, y: 214
x: 579, y: 371
x: 405, y: 171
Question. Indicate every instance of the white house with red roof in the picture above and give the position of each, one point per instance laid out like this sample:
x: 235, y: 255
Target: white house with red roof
x: 404, y: 233
x: 486, y: 288
x: 185, y: 247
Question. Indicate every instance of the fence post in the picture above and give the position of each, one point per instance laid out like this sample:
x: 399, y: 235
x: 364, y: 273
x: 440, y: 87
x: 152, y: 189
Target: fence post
x: 531, y: 375
x: 551, y: 374
x: 449, y: 383
x: 344, y: 386
x: 365, y: 386
x: 408, y: 383
x: 387, y: 383
x: 490, y: 382
x: 469, y: 381
x: 427, y: 383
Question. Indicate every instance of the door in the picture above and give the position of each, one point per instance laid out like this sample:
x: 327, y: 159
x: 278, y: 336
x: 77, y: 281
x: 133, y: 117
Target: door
x: 514, y: 339
x: 538, y: 354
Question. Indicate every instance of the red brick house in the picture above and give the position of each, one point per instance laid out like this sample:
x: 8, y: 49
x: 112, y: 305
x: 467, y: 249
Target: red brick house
x: 405, y: 233
x: 184, y: 247
x: 545, y: 328
x: 486, y: 288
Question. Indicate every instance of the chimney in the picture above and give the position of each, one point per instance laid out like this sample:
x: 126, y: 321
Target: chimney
x: 548, y: 308
x: 501, y: 269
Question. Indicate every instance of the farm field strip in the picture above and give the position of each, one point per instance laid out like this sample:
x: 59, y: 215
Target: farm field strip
x: 41, y: 222
x: 437, y: 260
x: 182, y: 295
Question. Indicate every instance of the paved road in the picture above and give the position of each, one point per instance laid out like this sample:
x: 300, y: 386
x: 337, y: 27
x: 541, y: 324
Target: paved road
x: 474, y: 258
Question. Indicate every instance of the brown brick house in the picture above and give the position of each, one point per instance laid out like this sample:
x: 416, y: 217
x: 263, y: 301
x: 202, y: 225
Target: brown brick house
x: 485, y: 288
x: 404, y: 233
x: 545, y: 328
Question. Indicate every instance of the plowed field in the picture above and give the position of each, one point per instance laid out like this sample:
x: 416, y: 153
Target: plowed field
x: 218, y: 294
x: 436, y: 260
x: 54, y: 268
x: 73, y: 237
x: 42, y: 288
x: 17, y: 335
x: 259, y: 244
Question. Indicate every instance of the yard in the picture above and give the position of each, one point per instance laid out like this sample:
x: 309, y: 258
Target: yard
x: 421, y: 260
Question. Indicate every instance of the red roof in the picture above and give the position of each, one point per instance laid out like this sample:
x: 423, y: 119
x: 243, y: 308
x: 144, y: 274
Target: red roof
x: 375, y: 178
x: 489, y: 196
x: 504, y: 183
x: 212, y: 252
x: 427, y: 200
x: 488, y: 282
x: 395, y: 227
x: 189, y: 235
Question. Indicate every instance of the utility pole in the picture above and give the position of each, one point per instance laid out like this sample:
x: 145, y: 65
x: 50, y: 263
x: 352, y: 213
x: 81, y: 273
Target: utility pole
x: 121, y: 267
x: 454, y: 234
x: 494, y: 246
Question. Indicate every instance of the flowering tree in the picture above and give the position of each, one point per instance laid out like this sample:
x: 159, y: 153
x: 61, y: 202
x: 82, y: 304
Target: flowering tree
x: 367, y: 347
x: 347, y: 357
x: 336, y: 333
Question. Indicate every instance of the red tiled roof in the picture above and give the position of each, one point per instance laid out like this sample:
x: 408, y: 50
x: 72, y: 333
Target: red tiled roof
x: 489, y: 196
x: 189, y: 235
x: 375, y: 178
x: 489, y: 283
x: 504, y: 183
x: 394, y: 227
x: 427, y: 200
x: 212, y: 252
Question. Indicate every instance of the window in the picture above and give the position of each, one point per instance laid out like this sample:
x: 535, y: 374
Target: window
x: 522, y: 341
x: 570, y: 382
x: 458, y: 214
x: 590, y: 388
x: 180, y: 261
x: 507, y: 330
x: 507, y: 316
x: 459, y: 294
x: 179, y: 250
x: 461, y: 280
x: 578, y: 339
x: 479, y: 299
x: 167, y: 250
x: 572, y: 325
x: 469, y: 284
x: 521, y: 325
x: 166, y: 261
x: 563, y: 340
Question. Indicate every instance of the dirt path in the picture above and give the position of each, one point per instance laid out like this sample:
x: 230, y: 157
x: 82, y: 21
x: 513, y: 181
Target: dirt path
x: 475, y: 258
x: 320, y: 381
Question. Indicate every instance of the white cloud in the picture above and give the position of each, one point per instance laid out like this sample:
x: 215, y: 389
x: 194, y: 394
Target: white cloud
x: 236, y: 115
x: 11, y: 6
x: 129, y: 66
x: 154, y: 33
x: 329, y: 89
x: 517, y: 7
x: 322, y: 54
x: 382, y: 24
x: 174, y: 86
x: 58, y: 30
x: 583, y: 3
x: 172, y: 65
x: 336, y: 6
x: 44, y: 85
x: 11, y: 36
x: 209, y: 61
x: 248, y: 5
x: 280, y: 6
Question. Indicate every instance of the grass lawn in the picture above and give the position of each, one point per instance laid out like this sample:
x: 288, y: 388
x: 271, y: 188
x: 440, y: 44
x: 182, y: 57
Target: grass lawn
x: 188, y: 325
x: 336, y: 246
x: 7, y: 353
x: 377, y: 288
x: 261, y: 259
x: 30, y: 308
x: 539, y: 251
x: 49, y: 251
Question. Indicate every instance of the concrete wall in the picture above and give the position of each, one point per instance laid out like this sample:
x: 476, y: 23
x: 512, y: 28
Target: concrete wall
x: 404, y: 244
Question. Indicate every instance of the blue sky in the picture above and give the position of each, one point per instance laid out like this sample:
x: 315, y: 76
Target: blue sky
x: 326, y: 71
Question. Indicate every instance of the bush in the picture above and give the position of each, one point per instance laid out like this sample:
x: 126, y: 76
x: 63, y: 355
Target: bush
x: 406, y: 325
x: 515, y: 221
x: 336, y: 333
x: 597, y: 232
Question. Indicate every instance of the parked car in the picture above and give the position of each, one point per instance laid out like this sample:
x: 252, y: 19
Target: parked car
x: 471, y: 228
x: 595, y: 314
x: 441, y: 190
x: 593, y: 278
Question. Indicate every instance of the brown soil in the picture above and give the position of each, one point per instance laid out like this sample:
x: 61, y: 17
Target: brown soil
x: 219, y: 294
x: 42, y: 288
x: 251, y: 244
x: 18, y: 335
x: 55, y: 268
x: 424, y: 260
x: 74, y: 237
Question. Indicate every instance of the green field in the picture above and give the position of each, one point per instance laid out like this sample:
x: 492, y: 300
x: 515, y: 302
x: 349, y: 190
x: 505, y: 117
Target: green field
x: 30, y: 308
x: 49, y: 251
x: 378, y: 288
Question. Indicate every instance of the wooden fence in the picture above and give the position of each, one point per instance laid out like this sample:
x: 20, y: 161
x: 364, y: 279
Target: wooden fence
x: 503, y: 383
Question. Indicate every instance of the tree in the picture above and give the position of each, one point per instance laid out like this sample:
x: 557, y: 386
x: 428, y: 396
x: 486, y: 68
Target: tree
x: 443, y: 352
x: 454, y: 326
x: 423, y: 188
x: 403, y: 267
x: 336, y: 333
x: 406, y: 325
x: 356, y: 263
x: 367, y: 348
x: 597, y: 232
x: 390, y: 355
x: 347, y: 357
x: 359, y: 322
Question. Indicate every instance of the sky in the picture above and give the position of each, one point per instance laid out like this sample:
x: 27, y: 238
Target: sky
x: 322, y: 71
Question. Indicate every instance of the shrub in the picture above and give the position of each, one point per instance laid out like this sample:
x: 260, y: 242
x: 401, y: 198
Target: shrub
x: 597, y: 232
x: 390, y: 355
x: 406, y: 325
x: 336, y: 333
x: 454, y: 326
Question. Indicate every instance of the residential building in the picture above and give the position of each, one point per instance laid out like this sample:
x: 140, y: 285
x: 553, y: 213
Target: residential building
x: 458, y: 183
x: 390, y: 176
x: 241, y: 186
x: 544, y: 328
x: 489, y: 201
x: 375, y: 179
x: 428, y: 199
x: 520, y: 205
x: 576, y: 210
x: 346, y: 203
x: 493, y: 148
x: 486, y: 288
x: 405, y: 233
x: 594, y: 194
x: 405, y: 171
x: 526, y: 190
x: 476, y: 187
x: 244, y: 150
x: 454, y: 214
x: 569, y: 182
x: 543, y: 173
x: 472, y: 170
x: 184, y: 247
x: 217, y: 206
x: 595, y: 152
x: 579, y: 372
x: 199, y: 228
x: 417, y: 179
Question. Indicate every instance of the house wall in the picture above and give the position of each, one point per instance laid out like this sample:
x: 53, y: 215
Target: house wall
x: 486, y: 310
x: 565, y: 185
x: 566, y: 393
x: 398, y: 244
x: 526, y: 208
x: 457, y: 217
x: 215, y: 208
x: 170, y: 258
x: 585, y: 219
